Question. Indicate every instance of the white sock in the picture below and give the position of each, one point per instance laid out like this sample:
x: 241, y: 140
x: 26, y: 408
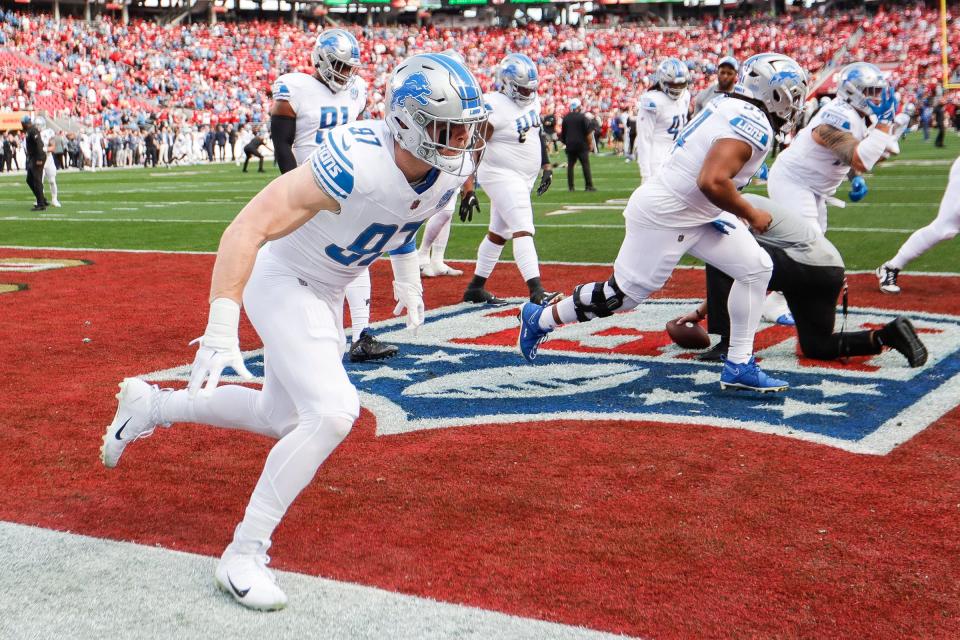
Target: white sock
x: 436, y: 254
x: 358, y: 300
x: 525, y: 253
x: 290, y: 467
x: 745, y: 307
x: 487, y: 257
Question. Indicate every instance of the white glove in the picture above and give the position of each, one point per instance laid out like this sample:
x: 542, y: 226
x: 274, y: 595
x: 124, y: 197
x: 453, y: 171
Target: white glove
x: 409, y: 297
x: 219, y: 348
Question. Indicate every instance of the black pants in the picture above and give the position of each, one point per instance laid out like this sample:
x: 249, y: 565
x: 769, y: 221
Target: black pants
x: 941, y: 132
x: 35, y: 182
x: 6, y: 163
x: 811, y: 294
x: 583, y: 155
x: 152, y: 157
x: 247, y: 159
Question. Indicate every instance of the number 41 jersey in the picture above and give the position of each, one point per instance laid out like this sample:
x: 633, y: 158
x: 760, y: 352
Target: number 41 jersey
x: 513, y: 152
x: 379, y: 210
x: 318, y: 108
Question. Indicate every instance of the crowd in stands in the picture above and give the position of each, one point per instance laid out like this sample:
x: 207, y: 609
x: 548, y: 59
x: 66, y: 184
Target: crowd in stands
x: 107, y: 75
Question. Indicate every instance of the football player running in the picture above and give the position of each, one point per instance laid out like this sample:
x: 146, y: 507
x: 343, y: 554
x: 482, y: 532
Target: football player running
x: 693, y: 205
x: 839, y: 138
x: 943, y: 227
x: 516, y: 154
x: 661, y: 114
x: 289, y: 255
x: 304, y: 107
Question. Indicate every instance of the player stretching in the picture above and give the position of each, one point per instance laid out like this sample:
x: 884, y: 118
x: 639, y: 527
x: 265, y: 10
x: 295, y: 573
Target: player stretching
x: 516, y: 153
x: 304, y: 108
x: 943, y: 227
x: 661, y: 115
x: 366, y: 189
x: 676, y: 213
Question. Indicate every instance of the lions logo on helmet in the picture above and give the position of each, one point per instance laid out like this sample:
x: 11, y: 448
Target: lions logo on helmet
x: 336, y: 56
x: 778, y: 83
x: 861, y: 84
x: 429, y: 96
x: 672, y: 77
x: 518, y: 78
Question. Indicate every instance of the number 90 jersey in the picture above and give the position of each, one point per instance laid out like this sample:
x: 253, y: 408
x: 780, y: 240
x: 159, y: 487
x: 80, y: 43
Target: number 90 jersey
x: 379, y: 210
x: 672, y: 198
x: 513, y: 151
x: 318, y: 108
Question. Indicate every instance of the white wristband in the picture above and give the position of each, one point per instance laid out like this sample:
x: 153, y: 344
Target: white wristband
x: 871, y: 148
x: 406, y: 268
x: 222, y: 325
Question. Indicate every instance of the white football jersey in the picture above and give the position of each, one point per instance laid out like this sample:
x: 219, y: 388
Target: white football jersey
x: 513, y: 151
x: 659, y: 121
x: 318, y: 108
x: 812, y: 165
x: 672, y: 198
x: 379, y: 210
x: 46, y: 136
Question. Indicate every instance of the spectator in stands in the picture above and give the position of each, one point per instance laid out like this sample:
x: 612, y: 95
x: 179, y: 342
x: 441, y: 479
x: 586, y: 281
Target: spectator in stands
x: 576, y: 135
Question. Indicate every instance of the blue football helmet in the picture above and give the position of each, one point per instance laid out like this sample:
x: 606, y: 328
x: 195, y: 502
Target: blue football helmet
x: 427, y: 96
x: 861, y: 84
x: 518, y: 78
x: 777, y: 82
x: 672, y: 77
x: 336, y: 57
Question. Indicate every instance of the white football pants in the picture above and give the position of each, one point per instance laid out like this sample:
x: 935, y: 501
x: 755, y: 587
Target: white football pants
x: 943, y: 227
x: 784, y: 189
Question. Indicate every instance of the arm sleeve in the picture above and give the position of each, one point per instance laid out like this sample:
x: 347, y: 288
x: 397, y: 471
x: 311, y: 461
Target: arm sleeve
x: 283, y: 131
x: 544, y: 154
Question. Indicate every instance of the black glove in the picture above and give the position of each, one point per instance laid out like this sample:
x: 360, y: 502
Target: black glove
x: 546, y: 179
x: 468, y: 206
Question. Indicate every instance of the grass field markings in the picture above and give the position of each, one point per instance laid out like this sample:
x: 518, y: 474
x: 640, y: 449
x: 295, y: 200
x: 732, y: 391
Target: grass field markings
x: 125, y: 209
x: 917, y: 163
x: 580, y: 208
x: 91, y: 211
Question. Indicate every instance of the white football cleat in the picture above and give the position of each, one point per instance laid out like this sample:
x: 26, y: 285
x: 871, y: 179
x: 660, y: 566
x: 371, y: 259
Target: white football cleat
x: 245, y: 577
x: 134, y: 419
x: 888, y: 279
x: 56, y: 203
x: 434, y: 270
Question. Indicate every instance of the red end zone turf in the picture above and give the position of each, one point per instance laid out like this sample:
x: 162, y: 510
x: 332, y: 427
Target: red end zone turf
x: 649, y: 529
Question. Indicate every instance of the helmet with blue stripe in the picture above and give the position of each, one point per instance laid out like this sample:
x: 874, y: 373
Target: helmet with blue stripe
x: 672, y: 77
x: 861, y: 84
x: 778, y: 83
x: 336, y: 57
x: 429, y: 97
x: 518, y: 78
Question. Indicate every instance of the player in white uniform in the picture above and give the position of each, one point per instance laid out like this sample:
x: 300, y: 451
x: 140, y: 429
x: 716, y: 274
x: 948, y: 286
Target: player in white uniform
x: 516, y: 152
x: 304, y: 108
x: 944, y: 227
x: 661, y: 115
x: 365, y: 190
x: 694, y: 206
x: 49, y: 167
x: 837, y: 139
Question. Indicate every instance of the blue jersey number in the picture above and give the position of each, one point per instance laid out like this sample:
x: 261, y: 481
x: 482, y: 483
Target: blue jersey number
x: 365, y: 135
x: 676, y: 125
x: 690, y: 128
x: 331, y: 117
x: 370, y: 243
x: 526, y: 122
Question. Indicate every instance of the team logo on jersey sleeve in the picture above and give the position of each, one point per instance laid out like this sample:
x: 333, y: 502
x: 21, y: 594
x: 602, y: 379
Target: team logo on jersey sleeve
x: 445, y: 198
x: 462, y: 368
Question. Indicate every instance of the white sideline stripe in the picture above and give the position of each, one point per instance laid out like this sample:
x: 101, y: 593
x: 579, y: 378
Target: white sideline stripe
x: 938, y: 274
x: 63, y: 585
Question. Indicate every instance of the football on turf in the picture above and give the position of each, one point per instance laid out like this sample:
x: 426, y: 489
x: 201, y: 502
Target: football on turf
x: 689, y: 335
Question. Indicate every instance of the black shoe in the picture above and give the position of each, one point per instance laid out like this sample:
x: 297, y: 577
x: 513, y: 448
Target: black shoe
x: 38, y: 207
x: 368, y: 348
x: 543, y: 298
x: 590, y: 189
x: 482, y: 296
x: 244, y: 170
x: 901, y: 335
x: 571, y: 189
x: 716, y: 353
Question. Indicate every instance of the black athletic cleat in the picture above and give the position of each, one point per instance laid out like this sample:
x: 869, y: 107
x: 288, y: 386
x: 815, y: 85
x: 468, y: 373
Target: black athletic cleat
x: 901, y: 335
x: 716, y: 353
x: 482, y: 296
x: 38, y: 207
x: 544, y: 298
x: 367, y: 348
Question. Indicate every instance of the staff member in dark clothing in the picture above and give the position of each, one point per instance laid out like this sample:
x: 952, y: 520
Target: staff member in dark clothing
x: 7, y: 156
x: 549, y: 123
x: 36, y: 157
x: 253, y: 149
x: 152, y: 150
x: 809, y: 271
x: 232, y: 139
x: 940, y: 121
x: 221, y: 139
x: 575, y: 136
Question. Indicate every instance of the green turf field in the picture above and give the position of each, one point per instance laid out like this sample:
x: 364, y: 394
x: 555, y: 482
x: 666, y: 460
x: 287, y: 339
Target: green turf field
x: 186, y: 208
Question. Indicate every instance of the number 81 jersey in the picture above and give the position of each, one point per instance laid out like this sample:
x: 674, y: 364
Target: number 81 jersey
x: 318, y: 108
x: 379, y: 210
x: 513, y: 151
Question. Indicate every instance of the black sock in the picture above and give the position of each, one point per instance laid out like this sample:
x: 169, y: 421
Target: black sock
x: 534, y: 285
x: 477, y: 282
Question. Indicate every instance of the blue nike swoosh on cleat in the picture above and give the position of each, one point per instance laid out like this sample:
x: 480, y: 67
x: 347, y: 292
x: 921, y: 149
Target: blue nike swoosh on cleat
x: 117, y: 434
x: 242, y: 593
